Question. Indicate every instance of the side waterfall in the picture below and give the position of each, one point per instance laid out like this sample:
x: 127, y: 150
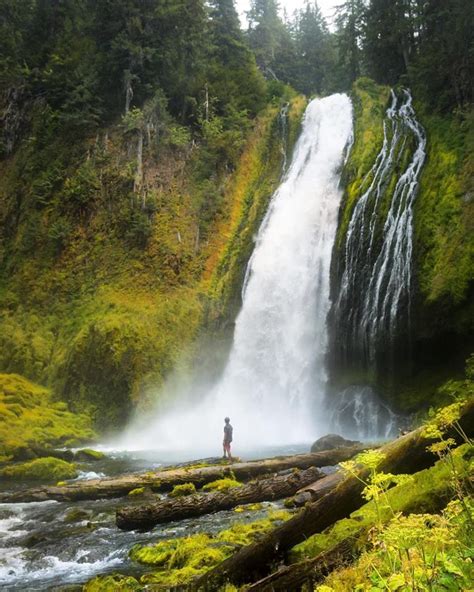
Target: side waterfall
x: 371, y: 315
x: 274, y: 383
x: 374, y: 300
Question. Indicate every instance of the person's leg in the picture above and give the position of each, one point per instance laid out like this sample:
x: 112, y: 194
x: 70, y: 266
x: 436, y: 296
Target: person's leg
x: 224, y: 448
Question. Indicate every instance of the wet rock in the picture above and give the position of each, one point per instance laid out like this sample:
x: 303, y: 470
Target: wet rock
x: 33, y: 540
x: 87, y: 455
x: 77, y: 515
x: 332, y: 441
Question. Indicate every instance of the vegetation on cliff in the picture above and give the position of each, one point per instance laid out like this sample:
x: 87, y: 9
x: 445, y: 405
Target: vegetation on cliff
x: 32, y: 423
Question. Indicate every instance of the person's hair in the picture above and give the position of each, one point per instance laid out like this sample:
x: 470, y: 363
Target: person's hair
x: 227, y: 419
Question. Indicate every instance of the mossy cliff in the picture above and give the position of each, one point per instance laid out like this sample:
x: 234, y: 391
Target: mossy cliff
x: 120, y: 249
x: 32, y: 423
x: 437, y: 335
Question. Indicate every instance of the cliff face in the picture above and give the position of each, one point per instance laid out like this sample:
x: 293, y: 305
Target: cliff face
x: 402, y: 270
x: 118, y: 250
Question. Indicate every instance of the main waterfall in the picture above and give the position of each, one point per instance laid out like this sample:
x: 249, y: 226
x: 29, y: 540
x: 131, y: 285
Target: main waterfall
x: 274, y: 381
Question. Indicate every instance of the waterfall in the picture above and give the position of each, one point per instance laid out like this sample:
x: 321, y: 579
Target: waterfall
x: 273, y: 385
x: 374, y: 301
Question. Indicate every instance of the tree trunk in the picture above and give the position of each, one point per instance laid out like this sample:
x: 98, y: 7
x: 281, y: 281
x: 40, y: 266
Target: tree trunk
x: 165, y: 480
x: 291, y: 578
x: 146, y: 516
x: 407, y: 454
x: 316, y: 490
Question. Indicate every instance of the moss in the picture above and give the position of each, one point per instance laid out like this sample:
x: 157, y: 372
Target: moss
x: 425, y: 492
x: 444, y: 211
x: 182, y: 490
x: 30, y: 418
x: 222, y: 485
x: 112, y: 583
x: 180, y: 560
x: 87, y: 454
x: 137, y: 491
x: 42, y: 469
x: 370, y: 102
x: 248, y: 508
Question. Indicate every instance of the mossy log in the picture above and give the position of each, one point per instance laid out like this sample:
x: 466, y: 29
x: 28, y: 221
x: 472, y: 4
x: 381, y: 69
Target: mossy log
x: 407, y: 454
x: 291, y: 578
x: 273, y: 488
x: 165, y: 480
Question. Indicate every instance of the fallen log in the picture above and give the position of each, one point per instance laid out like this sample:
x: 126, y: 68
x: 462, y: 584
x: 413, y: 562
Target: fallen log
x: 316, y: 490
x: 407, y: 454
x: 165, y: 480
x: 291, y: 578
x: 146, y: 516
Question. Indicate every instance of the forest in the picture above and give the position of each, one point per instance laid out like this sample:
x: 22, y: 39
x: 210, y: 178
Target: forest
x: 149, y: 262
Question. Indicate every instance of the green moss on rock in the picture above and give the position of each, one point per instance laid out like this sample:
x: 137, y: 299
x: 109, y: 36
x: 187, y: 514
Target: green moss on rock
x: 42, y: 469
x: 87, y: 454
x: 182, y: 490
x: 112, y: 583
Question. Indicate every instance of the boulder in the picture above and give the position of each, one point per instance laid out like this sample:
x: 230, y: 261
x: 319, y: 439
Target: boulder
x: 332, y: 441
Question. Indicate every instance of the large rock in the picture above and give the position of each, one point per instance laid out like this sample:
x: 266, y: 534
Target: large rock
x: 332, y: 441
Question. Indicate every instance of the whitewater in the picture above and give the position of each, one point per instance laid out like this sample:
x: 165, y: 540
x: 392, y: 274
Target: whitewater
x: 273, y: 384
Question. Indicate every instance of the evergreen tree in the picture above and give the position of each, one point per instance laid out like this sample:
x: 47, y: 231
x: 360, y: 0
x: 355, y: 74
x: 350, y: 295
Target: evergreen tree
x: 314, y: 47
x: 235, y: 80
x: 266, y: 31
x: 388, y: 39
x: 350, y: 23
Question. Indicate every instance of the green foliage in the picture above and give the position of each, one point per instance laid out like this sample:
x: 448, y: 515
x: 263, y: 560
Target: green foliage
x: 417, y: 552
x: 423, y: 492
x: 183, y: 490
x: 30, y: 418
x: 46, y: 469
x: 222, y: 485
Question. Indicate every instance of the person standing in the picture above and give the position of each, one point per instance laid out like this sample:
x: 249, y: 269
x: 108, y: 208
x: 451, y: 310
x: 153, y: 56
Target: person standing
x: 228, y: 431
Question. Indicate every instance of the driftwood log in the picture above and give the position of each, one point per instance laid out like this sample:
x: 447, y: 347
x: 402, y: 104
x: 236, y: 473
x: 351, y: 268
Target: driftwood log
x: 407, y: 454
x: 165, y: 480
x: 146, y: 516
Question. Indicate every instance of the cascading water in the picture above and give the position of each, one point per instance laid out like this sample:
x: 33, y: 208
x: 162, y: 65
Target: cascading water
x: 371, y: 315
x: 374, y: 299
x: 275, y: 377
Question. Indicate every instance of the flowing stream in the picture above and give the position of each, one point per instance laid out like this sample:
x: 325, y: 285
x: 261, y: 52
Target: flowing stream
x: 273, y: 385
